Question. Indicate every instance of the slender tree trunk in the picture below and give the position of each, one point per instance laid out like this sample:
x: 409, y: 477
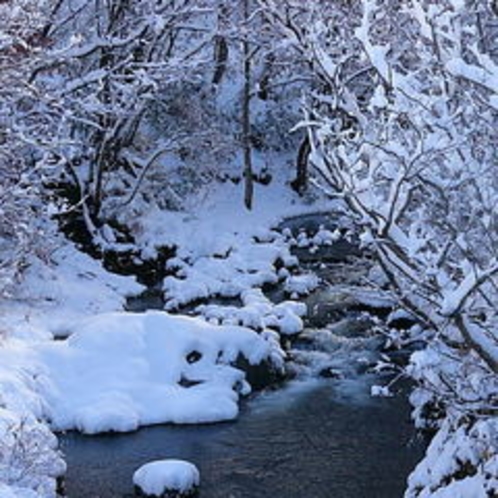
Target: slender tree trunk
x: 221, y: 58
x: 246, y: 115
x: 300, y: 183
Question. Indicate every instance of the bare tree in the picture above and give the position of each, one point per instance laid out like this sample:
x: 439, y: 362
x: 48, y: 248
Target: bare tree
x: 115, y: 59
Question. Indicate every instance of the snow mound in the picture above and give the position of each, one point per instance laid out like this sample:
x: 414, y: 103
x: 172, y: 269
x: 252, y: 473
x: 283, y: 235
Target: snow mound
x: 159, y: 477
x: 301, y: 285
x: 323, y: 237
x: 258, y: 312
x: 119, y: 371
x: 240, y: 268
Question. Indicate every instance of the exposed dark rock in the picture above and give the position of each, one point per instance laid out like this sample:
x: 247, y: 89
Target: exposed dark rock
x: 60, y: 483
x: 192, y: 493
x: 151, y: 299
x: 184, y: 382
x: 402, y: 323
x: 260, y: 376
x: 330, y: 373
x: 193, y: 357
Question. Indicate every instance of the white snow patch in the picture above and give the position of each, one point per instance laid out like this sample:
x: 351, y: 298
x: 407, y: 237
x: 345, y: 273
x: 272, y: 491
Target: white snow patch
x: 244, y: 266
x: 119, y: 371
x: 214, y: 223
x: 258, y: 312
x: 380, y: 392
x: 56, y: 293
x: 156, y: 478
x: 301, y: 285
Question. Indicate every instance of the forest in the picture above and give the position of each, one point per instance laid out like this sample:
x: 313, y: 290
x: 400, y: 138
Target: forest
x: 157, y: 147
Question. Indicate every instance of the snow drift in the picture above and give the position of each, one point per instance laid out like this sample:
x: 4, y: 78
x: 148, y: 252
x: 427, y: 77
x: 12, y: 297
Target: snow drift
x: 119, y: 371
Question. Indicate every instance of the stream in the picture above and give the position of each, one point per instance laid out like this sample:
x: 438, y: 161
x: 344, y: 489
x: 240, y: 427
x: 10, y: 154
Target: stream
x: 307, y: 440
x: 320, y: 435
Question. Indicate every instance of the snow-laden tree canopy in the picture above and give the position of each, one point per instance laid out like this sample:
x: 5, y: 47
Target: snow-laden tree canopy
x: 404, y: 130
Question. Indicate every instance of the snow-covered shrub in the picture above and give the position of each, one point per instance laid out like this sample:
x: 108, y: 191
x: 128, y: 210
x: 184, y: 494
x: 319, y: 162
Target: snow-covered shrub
x: 29, y: 460
x: 461, y: 462
x: 24, y: 122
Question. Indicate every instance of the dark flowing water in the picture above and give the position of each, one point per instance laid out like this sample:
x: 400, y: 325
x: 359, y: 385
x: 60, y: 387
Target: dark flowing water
x: 315, y: 438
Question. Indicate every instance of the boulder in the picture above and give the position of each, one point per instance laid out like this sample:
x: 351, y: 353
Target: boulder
x: 167, y: 479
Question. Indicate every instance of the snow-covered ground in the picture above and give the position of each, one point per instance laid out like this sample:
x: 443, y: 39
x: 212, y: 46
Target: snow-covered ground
x: 119, y: 371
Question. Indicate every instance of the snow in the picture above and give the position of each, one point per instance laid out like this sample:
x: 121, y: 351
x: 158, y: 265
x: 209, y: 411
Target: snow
x: 58, y: 292
x: 471, y: 444
x: 485, y: 76
x: 233, y: 253
x: 29, y: 460
x: 380, y: 392
x: 301, y: 284
x: 16, y: 492
x: 460, y: 441
x: 376, y: 53
x: 258, y: 313
x: 214, y: 223
x: 247, y: 266
x: 155, y: 478
x: 119, y: 371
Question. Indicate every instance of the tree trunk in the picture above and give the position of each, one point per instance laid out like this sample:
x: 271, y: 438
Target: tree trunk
x: 220, y: 58
x: 300, y: 183
x: 246, y: 115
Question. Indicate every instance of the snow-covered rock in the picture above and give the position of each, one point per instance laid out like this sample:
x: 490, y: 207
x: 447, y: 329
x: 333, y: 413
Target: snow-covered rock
x: 325, y: 237
x: 301, y: 284
x: 163, y: 478
x: 258, y: 312
x: 248, y: 265
x: 118, y: 371
x: 380, y: 392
